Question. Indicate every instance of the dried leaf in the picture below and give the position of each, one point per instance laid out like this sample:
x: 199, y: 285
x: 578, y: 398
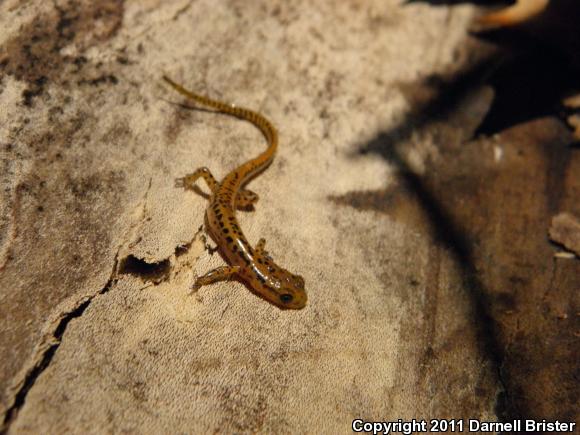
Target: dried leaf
x: 565, y: 230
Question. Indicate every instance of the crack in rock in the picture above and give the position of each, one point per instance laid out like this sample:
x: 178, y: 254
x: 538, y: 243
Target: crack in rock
x: 49, y: 353
x: 152, y: 272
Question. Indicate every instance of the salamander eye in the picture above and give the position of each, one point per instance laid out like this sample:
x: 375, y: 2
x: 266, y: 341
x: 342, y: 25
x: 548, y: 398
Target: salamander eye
x: 286, y: 298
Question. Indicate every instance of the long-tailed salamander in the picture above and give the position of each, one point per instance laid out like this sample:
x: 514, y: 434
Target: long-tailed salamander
x: 253, y: 265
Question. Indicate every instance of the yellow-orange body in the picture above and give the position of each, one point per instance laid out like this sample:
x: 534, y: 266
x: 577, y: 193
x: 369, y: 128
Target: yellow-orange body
x: 253, y: 265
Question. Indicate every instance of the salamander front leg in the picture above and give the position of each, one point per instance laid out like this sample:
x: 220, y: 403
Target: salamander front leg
x: 260, y: 248
x: 222, y: 273
x: 246, y: 199
x: 188, y: 182
x: 261, y: 245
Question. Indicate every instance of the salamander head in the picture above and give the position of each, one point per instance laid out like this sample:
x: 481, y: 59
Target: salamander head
x: 280, y: 287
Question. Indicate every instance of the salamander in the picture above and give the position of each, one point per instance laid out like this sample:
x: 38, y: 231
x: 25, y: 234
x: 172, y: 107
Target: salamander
x: 254, y: 266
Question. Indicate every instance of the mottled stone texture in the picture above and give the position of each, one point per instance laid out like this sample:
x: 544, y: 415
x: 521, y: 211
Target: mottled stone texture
x: 433, y: 289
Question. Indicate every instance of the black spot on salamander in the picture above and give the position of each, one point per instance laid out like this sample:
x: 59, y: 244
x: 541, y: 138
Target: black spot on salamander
x: 221, y: 224
x: 225, y: 230
x: 229, y: 239
x: 260, y: 261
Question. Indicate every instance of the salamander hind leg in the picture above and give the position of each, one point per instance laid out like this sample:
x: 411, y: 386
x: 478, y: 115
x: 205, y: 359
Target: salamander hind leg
x: 246, y: 199
x: 188, y: 182
x: 222, y: 273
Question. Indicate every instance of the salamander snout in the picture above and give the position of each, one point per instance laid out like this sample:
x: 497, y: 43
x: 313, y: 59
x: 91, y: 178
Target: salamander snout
x: 292, y: 294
